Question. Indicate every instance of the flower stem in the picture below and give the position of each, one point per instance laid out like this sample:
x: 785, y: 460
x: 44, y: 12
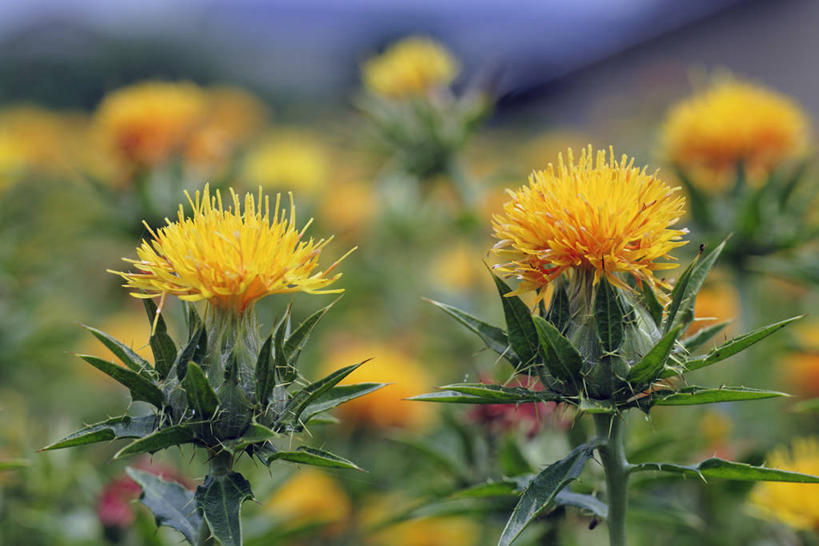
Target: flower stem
x: 616, y: 468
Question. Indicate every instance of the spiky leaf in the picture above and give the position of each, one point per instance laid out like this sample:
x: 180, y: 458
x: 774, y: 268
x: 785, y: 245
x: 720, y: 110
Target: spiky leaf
x: 163, y: 438
x: 295, y: 342
x: 314, y: 457
x: 110, y: 429
x: 698, y: 395
x: 502, y: 395
x: 127, y: 355
x: 608, y: 314
x: 220, y: 501
x: 728, y: 470
x: 337, y: 396
x: 171, y: 504
x: 541, y: 492
x: 652, y: 363
x: 521, y: 330
x: 494, y: 338
x: 265, y: 372
x: 562, y: 358
x: 559, y: 314
x: 162, y: 345
x: 694, y: 342
x: 685, y: 313
x: 652, y: 304
x: 194, y: 351
x: 140, y: 387
x: 201, y: 396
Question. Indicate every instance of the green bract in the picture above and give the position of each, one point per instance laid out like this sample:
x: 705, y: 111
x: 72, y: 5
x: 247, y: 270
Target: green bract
x: 604, y: 350
x: 223, y: 393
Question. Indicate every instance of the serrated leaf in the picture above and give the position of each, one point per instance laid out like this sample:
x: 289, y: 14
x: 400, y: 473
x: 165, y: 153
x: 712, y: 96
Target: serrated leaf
x: 684, y: 316
x: 521, y: 330
x: 653, y: 362
x: 728, y: 470
x: 194, y: 351
x: 608, y: 314
x: 138, y: 385
x: 694, y: 342
x: 698, y: 395
x: 499, y: 394
x: 160, y: 439
x: 562, y: 358
x: 265, y: 372
x: 162, y: 345
x: 494, y: 338
x: 220, y: 500
x: 314, y: 457
x: 301, y: 399
x: 171, y: 503
x: 337, y: 396
x: 652, y: 304
x: 126, y: 355
x: 295, y: 342
x: 201, y: 396
x: 539, y: 495
x: 733, y: 346
x: 110, y: 429
x: 559, y: 314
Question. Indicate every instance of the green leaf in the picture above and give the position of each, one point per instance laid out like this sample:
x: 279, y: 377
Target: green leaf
x: 285, y: 372
x: 728, y: 470
x: 692, y: 343
x: 337, y: 396
x: 541, y: 492
x: 678, y: 293
x: 195, y: 351
x: 494, y: 338
x: 522, y: 333
x: 314, y: 457
x: 559, y: 314
x: 265, y: 372
x: 733, y: 346
x: 608, y: 314
x: 562, y: 358
x: 171, y: 504
x: 201, y: 396
x: 589, y: 503
x: 301, y: 399
x: 255, y: 434
x: 160, y: 439
x: 110, y: 429
x: 220, y: 500
x: 499, y: 394
x: 451, y: 397
x: 653, y: 362
x: 295, y: 342
x: 684, y: 313
x: 590, y: 405
x: 652, y: 304
x: 162, y: 346
x: 128, y: 357
x: 697, y: 395
x: 140, y: 387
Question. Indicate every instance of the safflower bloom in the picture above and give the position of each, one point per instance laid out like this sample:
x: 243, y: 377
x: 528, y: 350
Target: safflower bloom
x: 594, y: 215
x: 146, y: 123
x: 413, y: 66
x: 731, y: 122
x: 795, y: 504
x: 230, y: 256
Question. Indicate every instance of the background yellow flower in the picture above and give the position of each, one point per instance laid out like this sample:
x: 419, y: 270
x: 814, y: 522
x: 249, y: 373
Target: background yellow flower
x: 310, y: 496
x: 412, y: 66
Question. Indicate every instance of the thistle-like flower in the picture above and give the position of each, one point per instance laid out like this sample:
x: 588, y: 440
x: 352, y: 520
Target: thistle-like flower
x: 230, y: 256
x: 413, y: 66
x: 598, y: 215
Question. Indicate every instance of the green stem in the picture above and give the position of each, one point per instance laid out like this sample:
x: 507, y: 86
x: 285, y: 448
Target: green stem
x: 616, y: 468
x: 221, y: 463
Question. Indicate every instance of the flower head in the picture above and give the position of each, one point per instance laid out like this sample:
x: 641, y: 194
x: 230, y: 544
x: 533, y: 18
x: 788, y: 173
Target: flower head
x: 595, y: 214
x: 795, y: 504
x: 731, y: 122
x: 288, y: 158
x: 146, y: 123
x: 413, y: 66
x: 230, y: 256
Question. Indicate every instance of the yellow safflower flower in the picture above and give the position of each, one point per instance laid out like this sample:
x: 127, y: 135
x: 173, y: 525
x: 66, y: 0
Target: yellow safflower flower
x: 230, y: 255
x: 410, y: 67
x: 733, y: 121
x: 385, y: 407
x: 289, y: 159
x: 146, y: 123
x: 596, y: 215
x: 795, y: 504
x: 430, y: 531
x: 311, y: 496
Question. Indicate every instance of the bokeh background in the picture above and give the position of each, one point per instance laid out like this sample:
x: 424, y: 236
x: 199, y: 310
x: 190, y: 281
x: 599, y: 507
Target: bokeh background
x: 286, y: 110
